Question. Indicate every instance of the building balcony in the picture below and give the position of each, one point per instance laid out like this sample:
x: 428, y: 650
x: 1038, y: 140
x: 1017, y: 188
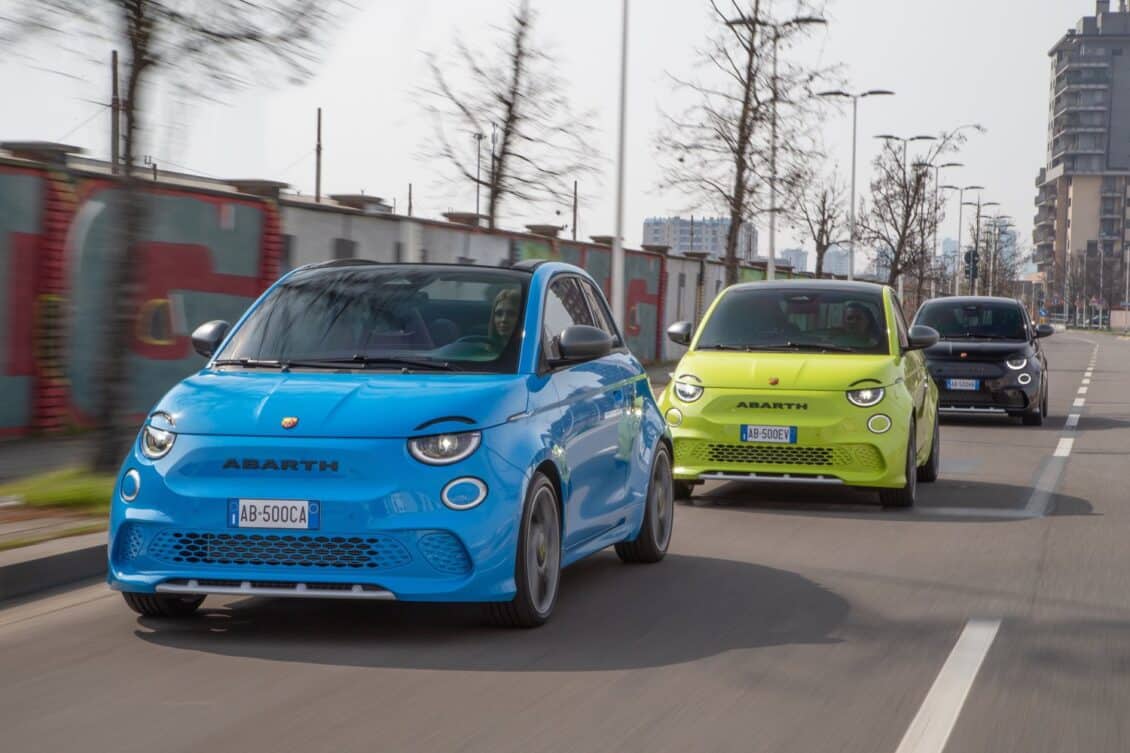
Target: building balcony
x: 1072, y: 150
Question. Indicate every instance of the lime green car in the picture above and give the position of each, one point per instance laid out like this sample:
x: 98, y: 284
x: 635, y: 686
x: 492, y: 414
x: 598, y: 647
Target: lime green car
x: 806, y: 381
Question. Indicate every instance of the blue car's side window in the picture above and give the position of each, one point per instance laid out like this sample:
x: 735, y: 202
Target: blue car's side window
x: 565, y: 306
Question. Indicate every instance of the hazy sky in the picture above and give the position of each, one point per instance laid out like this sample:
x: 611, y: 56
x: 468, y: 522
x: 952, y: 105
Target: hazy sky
x: 951, y: 63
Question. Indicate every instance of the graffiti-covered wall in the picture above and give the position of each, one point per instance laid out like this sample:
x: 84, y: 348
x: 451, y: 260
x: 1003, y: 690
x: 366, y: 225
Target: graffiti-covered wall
x: 21, y: 230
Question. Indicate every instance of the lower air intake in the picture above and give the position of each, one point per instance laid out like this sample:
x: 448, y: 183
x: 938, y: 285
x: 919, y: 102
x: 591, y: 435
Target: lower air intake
x: 279, y: 550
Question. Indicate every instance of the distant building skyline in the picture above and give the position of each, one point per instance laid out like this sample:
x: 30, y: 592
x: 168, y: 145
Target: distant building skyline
x: 699, y: 234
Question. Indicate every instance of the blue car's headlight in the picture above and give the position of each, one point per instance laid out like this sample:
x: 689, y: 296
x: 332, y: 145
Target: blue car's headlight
x: 156, y: 443
x: 866, y: 398
x: 444, y: 449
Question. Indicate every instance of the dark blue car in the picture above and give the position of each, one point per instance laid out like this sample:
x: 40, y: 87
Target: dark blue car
x: 413, y: 432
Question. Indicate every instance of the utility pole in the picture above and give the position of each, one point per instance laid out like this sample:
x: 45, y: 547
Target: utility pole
x: 619, y: 302
x: 574, y: 210
x: 409, y: 199
x: 115, y: 115
x: 478, y: 170
x: 318, y: 161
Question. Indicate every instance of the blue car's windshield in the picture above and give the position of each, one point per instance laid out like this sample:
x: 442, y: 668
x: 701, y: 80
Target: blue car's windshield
x: 448, y: 318
x: 797, y: 319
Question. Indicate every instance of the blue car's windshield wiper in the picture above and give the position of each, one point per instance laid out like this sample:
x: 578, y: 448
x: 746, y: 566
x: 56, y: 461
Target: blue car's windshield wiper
x: 249, y: 363
x: 365, y: 361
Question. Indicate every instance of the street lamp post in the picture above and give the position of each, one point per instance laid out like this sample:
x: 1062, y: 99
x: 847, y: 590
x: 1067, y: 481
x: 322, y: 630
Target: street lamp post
x: 973, y: 284
x: 998, y: 227
x: 937, y: 200
x: 771, y: 270
x: 905, y: 143
x: 960, y: 204
x: 619, y: 307
x: 854, y: 138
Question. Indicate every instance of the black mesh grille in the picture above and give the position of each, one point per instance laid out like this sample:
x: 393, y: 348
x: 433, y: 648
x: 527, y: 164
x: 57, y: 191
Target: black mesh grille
x: 853, y: 457
x: 966, y: 369
x: 279, y: 550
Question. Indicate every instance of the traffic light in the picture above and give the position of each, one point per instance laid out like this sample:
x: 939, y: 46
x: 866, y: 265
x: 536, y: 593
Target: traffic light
x: 971, y: 259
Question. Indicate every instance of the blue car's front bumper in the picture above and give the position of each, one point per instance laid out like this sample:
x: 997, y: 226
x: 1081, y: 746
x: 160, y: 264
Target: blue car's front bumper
x: 382, y: 528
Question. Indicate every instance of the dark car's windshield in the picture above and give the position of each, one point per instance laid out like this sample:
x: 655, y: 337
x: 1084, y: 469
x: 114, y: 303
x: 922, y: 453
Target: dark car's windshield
x: 446, y: 318
x: 993, y: 320
x: 798, y: 318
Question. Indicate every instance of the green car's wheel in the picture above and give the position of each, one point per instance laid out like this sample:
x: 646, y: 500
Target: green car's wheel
x: 904, y: 497
x: 162, y: 605
x: 684, y: 490
x: 651, y: 542
x: 928, y: 473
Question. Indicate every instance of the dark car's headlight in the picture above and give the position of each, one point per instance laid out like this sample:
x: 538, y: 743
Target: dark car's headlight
x: 444, y: 449
x: 688, y: 392
x: 866, y: 398
x: 1016, y: 364
x: 156, y: 443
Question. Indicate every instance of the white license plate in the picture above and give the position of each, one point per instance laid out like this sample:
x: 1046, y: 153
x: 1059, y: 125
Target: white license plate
x: 274, y: 513
x: 769, y: 434
x: 969, y: 385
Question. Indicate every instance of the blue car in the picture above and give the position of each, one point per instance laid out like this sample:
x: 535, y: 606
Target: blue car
x: 444, y: 433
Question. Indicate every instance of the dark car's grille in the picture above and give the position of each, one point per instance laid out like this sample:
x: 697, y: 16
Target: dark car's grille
x: 1006, y: 399
x: 966, y: 369
x: 279, y: 550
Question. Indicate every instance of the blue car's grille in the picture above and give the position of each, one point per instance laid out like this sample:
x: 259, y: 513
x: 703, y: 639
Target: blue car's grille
x: 279, y: 550
x: 445, y: 553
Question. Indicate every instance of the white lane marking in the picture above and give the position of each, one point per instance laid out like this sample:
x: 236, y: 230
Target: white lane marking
x: 1079, y: 402
x: 1063, y: 449
x: 931, y: 728
x: 1086, y: 381
x: 1072, y: 421
x: 1083, y: 390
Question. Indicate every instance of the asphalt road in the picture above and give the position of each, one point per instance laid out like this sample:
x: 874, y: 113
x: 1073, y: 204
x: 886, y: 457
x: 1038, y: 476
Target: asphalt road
x: 995, y: 616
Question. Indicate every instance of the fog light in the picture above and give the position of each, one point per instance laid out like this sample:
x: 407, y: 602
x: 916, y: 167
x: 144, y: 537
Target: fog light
x: 131, y: 486
x: 1024, y: 379
x: 464, y: 493
x: 674, y: 417
x: 879, y: 423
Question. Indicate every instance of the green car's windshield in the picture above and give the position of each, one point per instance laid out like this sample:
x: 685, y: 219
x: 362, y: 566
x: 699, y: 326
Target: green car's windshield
x: 387, y: 317
x: 983, y: 320
x: 800, y: 319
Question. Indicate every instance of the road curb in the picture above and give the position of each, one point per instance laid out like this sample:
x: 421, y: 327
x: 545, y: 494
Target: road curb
x: 50, y: 564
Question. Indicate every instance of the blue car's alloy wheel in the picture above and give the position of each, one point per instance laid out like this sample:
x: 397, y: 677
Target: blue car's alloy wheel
x: 650, y: 545
x: 538, y: 567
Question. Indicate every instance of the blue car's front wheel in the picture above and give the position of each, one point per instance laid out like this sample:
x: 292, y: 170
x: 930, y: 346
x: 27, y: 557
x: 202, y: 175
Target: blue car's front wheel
x: 538, y: 564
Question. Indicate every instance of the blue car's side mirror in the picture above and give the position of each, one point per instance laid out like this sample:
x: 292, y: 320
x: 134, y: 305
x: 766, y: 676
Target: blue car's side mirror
x: 582, y: 343
x: 208, y: 337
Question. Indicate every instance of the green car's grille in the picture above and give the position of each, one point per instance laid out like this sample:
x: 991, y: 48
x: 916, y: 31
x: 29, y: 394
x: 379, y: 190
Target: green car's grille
x: 848, y: 457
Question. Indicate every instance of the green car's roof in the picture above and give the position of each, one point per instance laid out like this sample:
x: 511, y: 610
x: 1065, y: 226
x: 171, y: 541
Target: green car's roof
x: 845, y: 286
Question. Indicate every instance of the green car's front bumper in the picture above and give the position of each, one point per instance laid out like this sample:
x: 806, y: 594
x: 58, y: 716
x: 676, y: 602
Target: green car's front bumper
x: 833, y: 440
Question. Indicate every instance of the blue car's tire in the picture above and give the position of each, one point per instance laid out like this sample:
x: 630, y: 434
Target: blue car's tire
x: 650, y: 544
x: 162, y: 605
x: 537, y: 570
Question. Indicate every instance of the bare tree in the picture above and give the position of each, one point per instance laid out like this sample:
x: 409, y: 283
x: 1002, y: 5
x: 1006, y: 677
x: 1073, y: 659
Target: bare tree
x: 717, y: 152
x: 220, y: 41
x: 512, y: 96
x: 817, y: 208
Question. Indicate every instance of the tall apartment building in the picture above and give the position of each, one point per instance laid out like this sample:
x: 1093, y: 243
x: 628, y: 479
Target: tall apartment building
x: 699, y: 234
x: 1082, y: 192
x: 797, y: 258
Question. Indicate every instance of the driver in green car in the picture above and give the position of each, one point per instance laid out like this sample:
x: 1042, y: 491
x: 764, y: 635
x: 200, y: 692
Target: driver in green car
x: 860, y: 330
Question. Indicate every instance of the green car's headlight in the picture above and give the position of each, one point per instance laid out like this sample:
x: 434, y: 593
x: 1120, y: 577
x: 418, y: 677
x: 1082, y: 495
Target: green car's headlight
x: 688, y: 392
x: 444, y: 449
x: 866, y: 398
x: 156, y: 443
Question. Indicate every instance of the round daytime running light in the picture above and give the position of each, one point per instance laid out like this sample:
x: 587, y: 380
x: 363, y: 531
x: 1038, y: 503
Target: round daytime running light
x: 464, y: 493
x: 444, y: 449
x: 674, y: 417
x: 866, y: 398
x: 1016, y: 364
x: 686, y: 391
x: 1024, y: 379
x: 156, y: 443
x: 130, y: 486
x: 879, y: 423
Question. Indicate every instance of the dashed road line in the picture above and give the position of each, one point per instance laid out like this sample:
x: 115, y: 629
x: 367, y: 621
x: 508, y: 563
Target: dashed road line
x: 1064, y: 448
x: 1083, y: 390
x: 931, y: 728
x: 1079, y: 402
x: 1072, y: 421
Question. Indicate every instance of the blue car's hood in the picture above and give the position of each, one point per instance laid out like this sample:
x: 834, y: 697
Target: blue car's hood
x: 341, y: 404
